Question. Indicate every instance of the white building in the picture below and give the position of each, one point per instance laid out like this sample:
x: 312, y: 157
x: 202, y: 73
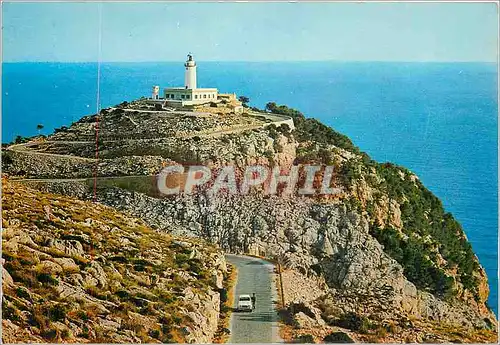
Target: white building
x: 156, y: 92
x: 189, y: 94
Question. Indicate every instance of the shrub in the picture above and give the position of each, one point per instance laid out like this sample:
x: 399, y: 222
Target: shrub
x: 46, y: 278
x: 284, y: 128
x: 181, y: 259
x: 15, y: 269
x: 123, y: 294
x: 23, y: 293
x: 50, y: 334
x: 273, y: 133
x: 57, y: 312
x: 270, y: 156
x: 223, y: 295
x: 422, y: 213
x: 10, y: 312
x: 338, y: 337
x: 304, y: 338
x: 20, y: 140
x: 353, y: 322
x: 154, y: 333
x: 62, y: 129
x: 311, y: 129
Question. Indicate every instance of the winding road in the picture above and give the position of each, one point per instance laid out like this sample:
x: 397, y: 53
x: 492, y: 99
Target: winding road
x: 259, y: 326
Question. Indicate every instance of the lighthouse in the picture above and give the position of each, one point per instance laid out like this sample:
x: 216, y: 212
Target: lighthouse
x: 190, y: 76
x: 189, y: 94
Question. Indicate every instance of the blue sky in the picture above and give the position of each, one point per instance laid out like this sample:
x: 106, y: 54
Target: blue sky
x: 250, y: 31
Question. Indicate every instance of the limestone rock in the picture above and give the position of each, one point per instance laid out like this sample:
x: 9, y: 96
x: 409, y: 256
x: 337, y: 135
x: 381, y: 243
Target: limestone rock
x: 50, y: 267
x: 67, y: 264
x: 304, y: 321
x: 218, y: 279
x: 328, y: 242
x: 97, y: 272
x: 7, y: 280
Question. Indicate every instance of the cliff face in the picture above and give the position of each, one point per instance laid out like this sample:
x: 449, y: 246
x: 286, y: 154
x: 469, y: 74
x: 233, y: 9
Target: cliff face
x: 326, y: 240
x: 384, y: 247
x: 74, y: 271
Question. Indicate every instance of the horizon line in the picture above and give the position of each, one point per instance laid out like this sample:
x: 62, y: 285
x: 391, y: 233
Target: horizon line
x: 258, y: 61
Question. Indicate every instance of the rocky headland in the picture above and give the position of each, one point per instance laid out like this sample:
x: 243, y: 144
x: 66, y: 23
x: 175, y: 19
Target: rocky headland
x: 388, y: 262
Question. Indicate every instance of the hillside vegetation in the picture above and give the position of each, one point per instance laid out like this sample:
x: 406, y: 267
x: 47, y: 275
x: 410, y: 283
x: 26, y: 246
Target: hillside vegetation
x: 80, y: 272
x: 430, y: 245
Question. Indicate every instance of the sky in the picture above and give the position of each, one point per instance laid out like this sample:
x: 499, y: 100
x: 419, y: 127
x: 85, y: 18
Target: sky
x: 250, y: 31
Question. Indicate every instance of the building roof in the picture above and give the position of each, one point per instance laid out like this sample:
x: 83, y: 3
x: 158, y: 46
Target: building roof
x: 183, y: 88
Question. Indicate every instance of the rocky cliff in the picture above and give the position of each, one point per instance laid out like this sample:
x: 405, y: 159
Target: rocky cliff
x: 74, y: 271
x: 384, y: 246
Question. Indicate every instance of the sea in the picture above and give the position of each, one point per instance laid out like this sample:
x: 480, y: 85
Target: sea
x: 437, y: 119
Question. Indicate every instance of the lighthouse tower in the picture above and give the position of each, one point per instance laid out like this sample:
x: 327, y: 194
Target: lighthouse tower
x: 189, y: 94
x: 190, y: 77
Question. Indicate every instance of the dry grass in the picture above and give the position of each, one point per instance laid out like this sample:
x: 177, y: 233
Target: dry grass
x: 100, y: 231
x: 225, y: 315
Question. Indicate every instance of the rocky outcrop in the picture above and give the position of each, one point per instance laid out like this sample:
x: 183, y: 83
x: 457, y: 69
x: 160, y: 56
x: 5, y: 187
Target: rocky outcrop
x: 315, y: 239
x: 32, y: 164
x: 361, y: 316
x: 79, y: 272
x: 136, y: 121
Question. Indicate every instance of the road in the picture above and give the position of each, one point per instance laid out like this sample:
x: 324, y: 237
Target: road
x: 260, y: 325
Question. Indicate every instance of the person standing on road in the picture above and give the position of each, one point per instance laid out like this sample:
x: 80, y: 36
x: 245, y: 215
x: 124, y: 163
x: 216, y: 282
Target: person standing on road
x: 253, y: 301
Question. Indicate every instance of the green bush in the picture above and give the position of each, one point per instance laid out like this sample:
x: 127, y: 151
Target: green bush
x: 57, y: 312
x: 273, y: 133
x: 353, y: 322
x: 422, y: 214
x: 23, y: 293
x: 338, y: 337
x: 181, y: 258
x: 21, y: 140
x: 9, y: 312
x: 46, y: 278
x: 304, y: 339
x: 311, y: 129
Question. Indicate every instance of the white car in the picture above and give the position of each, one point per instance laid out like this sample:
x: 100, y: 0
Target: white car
x: 244, y: 303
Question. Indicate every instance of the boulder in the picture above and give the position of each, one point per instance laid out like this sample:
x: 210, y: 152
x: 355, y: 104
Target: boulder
x: 67, y: 264
x: 312, y: 313
x: 49, y: 267
x: 108, y: 325
x: 35, y: 254
x: 301, y: 320
x: 218, y: 279
x: 24, y: 238
x: 7, y: 280
x: 69, y: 248
x: 97, y: 272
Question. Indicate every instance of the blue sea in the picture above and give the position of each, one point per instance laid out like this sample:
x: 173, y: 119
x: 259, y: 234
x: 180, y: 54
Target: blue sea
x: 437, y: 119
